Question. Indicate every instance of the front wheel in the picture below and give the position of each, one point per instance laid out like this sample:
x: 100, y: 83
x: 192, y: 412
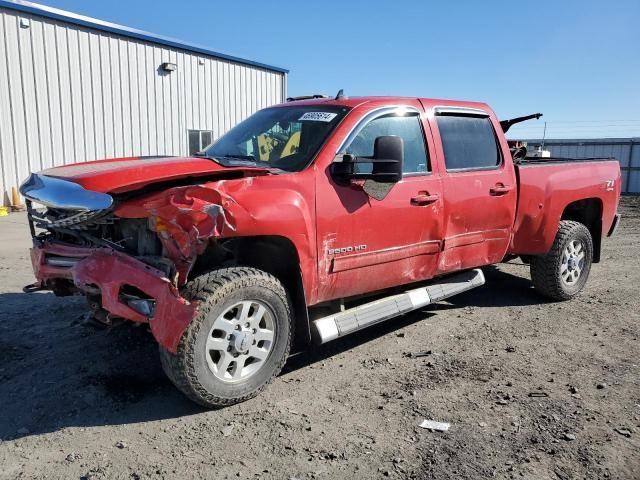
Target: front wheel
x: 563, y: 272
x: 238, y: 341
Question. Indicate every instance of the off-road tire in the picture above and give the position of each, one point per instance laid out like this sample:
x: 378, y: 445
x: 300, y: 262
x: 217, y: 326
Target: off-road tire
x: 545, y: 269
x: 214, y: 291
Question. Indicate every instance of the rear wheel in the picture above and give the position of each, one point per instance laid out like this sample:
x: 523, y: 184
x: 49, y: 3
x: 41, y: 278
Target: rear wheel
x: 563, y: 272
x: 239, y: 340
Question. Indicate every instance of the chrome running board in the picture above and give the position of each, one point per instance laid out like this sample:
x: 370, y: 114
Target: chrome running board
x: 343, y: 323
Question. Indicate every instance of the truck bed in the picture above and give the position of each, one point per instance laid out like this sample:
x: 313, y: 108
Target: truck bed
x: 549, y: 189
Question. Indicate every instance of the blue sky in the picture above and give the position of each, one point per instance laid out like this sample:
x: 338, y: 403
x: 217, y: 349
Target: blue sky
x: 578, y: 62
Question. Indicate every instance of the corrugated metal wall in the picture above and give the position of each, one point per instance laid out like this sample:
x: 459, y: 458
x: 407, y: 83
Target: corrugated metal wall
x: 625, y: 150
x: 70, y: 93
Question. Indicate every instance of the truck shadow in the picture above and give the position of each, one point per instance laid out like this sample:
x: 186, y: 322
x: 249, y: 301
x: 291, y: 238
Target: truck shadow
x: 501, y: 289
x: 56, y: 372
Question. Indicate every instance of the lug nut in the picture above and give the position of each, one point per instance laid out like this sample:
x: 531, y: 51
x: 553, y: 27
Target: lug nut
x: 253, y: 330
x: 237, y: 327
x: 246, y: 325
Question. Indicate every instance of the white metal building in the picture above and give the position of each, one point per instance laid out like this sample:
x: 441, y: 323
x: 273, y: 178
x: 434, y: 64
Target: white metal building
x: 74, y: 88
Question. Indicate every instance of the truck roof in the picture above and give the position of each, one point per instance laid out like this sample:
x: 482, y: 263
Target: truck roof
x: 357, y: 101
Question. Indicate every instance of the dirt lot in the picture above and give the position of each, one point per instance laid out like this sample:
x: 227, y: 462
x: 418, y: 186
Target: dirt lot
x: 531, y: 389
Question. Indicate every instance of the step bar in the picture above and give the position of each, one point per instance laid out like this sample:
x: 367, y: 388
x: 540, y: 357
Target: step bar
x: 343, y: 323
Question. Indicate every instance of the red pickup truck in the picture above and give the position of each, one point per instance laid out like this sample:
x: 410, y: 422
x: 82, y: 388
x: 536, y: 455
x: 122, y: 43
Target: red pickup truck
x: 367, y: 207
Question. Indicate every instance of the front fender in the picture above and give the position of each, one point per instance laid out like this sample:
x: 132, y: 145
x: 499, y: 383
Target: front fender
x: 187, y: 217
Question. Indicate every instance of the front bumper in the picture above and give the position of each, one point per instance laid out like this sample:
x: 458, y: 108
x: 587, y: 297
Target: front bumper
x: 107, y: 272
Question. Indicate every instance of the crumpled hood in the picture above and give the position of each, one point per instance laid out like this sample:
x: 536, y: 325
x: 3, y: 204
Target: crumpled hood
x: 119, y: 175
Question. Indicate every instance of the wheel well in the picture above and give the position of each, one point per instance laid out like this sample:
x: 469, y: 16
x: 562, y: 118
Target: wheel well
x: 588, y: 212
x: 272, y: 254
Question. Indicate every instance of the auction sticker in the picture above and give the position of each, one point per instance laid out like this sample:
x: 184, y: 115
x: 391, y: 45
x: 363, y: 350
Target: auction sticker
x: 318, y: 116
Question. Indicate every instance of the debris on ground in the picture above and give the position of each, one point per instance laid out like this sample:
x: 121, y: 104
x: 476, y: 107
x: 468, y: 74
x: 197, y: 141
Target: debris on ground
x: 538, y: 394
x: 561, y: 474
x: 433, y: 425
x: 426, y: 353
x: 623, y: 431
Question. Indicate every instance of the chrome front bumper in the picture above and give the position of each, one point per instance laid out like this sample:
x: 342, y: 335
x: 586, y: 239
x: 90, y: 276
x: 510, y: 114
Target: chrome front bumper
x: 69, y: 205
x: 57, y: 193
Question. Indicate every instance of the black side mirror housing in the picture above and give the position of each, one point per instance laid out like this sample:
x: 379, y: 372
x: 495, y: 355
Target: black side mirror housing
x: 386, y: 162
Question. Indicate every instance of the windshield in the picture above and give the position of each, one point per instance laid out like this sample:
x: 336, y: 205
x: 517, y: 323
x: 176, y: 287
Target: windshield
x: 286, y: 138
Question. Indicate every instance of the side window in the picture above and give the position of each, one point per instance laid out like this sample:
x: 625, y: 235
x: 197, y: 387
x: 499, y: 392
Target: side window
x: 468, y: 142
x: 407, y: 127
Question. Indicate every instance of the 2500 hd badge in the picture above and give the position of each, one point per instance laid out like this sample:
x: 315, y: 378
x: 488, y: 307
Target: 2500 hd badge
x: 355, y: 248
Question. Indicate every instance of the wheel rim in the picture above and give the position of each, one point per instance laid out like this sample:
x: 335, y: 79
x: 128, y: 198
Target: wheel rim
x: 573, y: 259
x: 240, y: 341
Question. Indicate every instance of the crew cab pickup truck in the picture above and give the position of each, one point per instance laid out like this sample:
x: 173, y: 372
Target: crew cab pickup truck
x: 306, y: 222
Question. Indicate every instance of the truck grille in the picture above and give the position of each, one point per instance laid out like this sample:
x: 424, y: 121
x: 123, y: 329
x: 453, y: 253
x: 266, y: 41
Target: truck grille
x: 52, y: 218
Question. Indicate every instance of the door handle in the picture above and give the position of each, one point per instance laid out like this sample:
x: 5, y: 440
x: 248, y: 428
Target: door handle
x: 500, y: 189
x: 423, y: 198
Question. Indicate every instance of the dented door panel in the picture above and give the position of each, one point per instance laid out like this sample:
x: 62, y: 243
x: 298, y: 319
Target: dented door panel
x: 365, y: 244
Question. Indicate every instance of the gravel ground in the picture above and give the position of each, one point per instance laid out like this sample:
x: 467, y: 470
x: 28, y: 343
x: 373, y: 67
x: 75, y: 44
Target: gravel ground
x: 531, y: 389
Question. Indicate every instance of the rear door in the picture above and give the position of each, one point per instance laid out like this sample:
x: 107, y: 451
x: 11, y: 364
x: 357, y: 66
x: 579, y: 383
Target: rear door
x: 479, y: 188
x: 365, y: 243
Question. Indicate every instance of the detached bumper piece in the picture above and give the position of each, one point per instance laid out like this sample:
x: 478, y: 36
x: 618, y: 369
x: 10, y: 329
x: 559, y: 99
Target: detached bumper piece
x: 354, y: 319
x: 110, y: 274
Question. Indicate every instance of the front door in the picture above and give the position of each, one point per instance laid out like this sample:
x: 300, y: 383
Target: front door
x: 479, y: 188
x: 367, y: 244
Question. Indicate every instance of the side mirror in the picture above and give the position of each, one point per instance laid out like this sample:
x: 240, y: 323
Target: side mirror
x: 386, y: 163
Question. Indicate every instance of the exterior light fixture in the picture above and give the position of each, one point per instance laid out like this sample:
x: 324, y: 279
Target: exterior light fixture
x: 168, y: 67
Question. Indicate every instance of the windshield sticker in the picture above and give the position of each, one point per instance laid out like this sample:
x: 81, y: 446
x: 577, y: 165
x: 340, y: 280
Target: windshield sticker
x: 318, y: 116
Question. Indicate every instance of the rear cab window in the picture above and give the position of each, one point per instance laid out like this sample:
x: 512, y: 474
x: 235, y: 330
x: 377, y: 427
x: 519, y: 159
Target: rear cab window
x: 469, y: 142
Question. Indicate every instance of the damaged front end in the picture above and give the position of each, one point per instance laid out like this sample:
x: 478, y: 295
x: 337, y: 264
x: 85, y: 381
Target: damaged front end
x: 128, y: 257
